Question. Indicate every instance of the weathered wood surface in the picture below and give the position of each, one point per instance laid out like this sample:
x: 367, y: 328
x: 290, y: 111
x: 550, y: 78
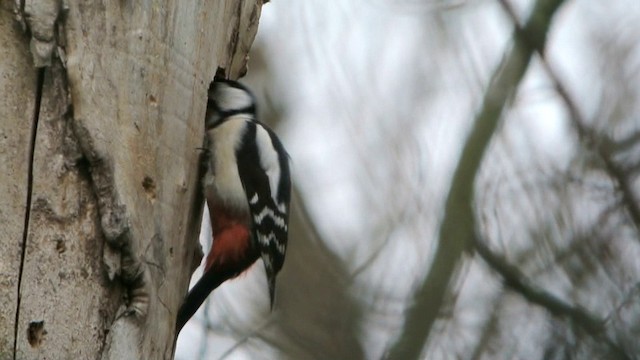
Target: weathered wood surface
x: 17, y: 91
x: 114, y: 210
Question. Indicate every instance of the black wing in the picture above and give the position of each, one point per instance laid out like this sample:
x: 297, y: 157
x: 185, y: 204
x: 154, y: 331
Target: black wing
x: 269, y: 212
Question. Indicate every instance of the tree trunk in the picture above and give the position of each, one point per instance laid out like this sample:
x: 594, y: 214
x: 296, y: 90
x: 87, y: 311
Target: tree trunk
x: 100, y: 119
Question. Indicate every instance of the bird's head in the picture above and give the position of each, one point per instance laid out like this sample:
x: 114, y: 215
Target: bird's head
x: 228, y: 98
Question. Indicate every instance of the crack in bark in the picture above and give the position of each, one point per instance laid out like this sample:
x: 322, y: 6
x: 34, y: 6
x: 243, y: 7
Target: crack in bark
x: 27, y: 214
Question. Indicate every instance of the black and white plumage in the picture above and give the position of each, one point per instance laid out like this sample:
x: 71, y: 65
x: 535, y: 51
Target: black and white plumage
x: 248, y: 189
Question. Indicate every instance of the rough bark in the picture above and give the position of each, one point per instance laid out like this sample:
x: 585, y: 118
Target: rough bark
x: 103, y: 208
x: 16, y: 113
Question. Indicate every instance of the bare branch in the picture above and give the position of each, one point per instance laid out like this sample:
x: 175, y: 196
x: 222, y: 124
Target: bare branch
x: 600, y: 145
x: 458, y: 225
x: 517, y: 281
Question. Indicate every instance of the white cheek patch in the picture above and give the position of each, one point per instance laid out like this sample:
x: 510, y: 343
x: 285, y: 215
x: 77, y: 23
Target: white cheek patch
x: 268, y: 160
x: 230, y: 98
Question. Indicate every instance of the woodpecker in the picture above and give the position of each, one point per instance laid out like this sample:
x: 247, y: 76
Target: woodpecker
x: 247, y: 188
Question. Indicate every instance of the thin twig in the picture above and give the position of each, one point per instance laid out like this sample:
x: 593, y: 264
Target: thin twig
x: 458, y: 224
x: 514, y: 279
x: 600, y: 145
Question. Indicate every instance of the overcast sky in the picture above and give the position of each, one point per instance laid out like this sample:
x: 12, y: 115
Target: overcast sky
x: 367, y: 84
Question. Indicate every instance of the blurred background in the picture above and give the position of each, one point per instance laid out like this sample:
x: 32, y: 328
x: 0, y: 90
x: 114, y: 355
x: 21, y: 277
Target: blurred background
x: 466, y: 184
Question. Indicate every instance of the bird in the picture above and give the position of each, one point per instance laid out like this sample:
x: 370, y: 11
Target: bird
x: 247, y: 187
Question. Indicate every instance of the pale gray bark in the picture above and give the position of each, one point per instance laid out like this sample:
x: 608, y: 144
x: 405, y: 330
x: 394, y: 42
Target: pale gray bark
x: 115, y: 94
x: 16, y: 114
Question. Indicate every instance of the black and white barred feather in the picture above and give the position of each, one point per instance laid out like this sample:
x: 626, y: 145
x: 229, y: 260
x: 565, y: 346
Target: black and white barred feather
x: 268, y: 194
x: 248, y: 189
x: 263, y: 169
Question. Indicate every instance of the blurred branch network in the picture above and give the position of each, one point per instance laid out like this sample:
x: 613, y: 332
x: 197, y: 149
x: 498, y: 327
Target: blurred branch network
x: 466, y: 179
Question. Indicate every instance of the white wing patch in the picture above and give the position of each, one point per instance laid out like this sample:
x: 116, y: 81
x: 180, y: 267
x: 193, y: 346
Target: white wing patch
x: 267, y: 239
x: 254, y: 199
x: 278, y: 220
x: 268, y: 159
